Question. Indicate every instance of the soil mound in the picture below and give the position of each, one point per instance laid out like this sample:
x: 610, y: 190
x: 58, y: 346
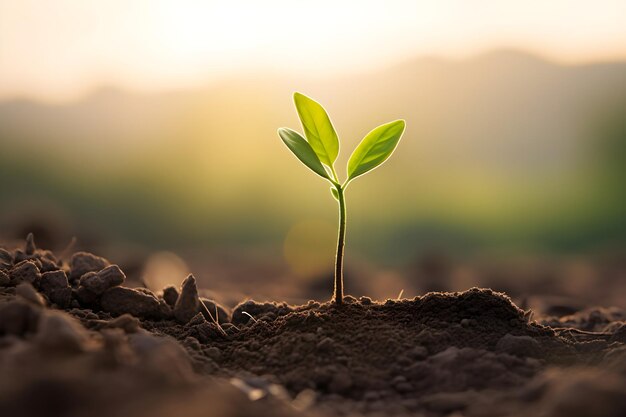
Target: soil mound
x: 74, y: 337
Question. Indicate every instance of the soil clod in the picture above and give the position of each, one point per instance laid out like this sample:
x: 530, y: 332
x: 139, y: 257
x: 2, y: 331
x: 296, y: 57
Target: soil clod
x: 216, y: 311
x: 4, y: 279
x: 56, y: 288
x: 170, y: 295
x: 188, y: 302
x: 120, y: 300
x: 29, y: 247
x: 25, y: 271
x: 83, y: 262
x: 98, y: 283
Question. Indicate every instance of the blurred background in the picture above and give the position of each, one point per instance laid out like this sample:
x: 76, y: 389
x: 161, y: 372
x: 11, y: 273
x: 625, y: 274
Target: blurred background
x: 145, y: 131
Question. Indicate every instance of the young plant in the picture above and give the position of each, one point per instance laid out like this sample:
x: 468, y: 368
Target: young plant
x: 319, y: 152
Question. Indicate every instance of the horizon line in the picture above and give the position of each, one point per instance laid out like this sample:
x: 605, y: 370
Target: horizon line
x: 98, y: 87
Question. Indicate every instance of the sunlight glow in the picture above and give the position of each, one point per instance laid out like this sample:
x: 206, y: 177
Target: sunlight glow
x: 308, y: 247
x: 59, y: 48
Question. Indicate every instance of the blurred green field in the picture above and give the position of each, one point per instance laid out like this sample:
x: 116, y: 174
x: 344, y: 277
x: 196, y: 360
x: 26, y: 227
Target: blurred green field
x: 503, y: 150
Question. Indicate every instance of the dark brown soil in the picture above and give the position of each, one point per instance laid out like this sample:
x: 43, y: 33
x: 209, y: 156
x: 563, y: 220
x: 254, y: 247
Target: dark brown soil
x: 75, y: 341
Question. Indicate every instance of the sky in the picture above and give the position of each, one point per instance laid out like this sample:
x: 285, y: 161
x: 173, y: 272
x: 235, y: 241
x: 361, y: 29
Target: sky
x: 57, y: 50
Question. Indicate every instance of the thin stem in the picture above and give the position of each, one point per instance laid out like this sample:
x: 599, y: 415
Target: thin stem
x: 332, y: 171
x: 338, y: 293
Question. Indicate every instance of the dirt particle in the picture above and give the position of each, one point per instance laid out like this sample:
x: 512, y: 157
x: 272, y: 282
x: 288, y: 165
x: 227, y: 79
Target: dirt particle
x: 468, y: 323
x: 170, y: 295
x: 348, y: 299
x: 192, y: 344
x: 29, y: 247
x: 207, y: 331
x: 86, y: 297
x: 230, y: 328
x: 165, y: 310
x: 6, y: 259
x: 83, y: 262
x: 222, y: 314
x: 55, y: 286
x: 366, y: 301
x: 252, y: 311
x: 188, y: 303
x: 25, y: 271
x: 98, y: 283
x: 196, y: 320
x: 4, y: 279
x: 120, y: 300
x: 126, y: 322
x: 619, y: 332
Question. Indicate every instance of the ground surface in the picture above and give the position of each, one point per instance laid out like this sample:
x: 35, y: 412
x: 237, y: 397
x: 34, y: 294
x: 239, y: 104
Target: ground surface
x: 75, y: 341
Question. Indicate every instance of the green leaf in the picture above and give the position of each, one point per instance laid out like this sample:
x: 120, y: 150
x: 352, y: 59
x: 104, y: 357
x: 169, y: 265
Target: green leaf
x: 334, y: 192
x: 302, y: 150
x: 375, y: 148
x: 318, y: 128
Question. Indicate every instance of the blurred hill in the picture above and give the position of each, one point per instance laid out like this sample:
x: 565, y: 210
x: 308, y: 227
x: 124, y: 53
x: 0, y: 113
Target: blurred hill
x: 504, y: 148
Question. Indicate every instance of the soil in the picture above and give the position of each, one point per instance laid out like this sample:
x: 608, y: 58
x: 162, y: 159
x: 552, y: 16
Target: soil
x: 75, y: 341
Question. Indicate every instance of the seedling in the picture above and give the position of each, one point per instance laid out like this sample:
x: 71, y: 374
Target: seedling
x: 319, y: 152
